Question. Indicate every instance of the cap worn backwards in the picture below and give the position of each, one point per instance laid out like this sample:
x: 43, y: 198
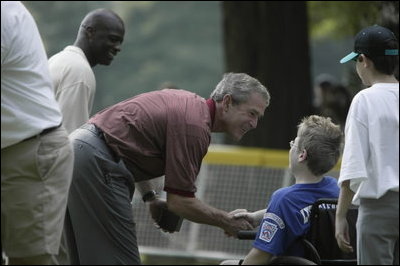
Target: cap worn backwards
x: 372, y: 41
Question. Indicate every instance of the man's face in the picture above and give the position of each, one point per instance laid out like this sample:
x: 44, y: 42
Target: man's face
x: 106, y: 41
x: 240, y: 118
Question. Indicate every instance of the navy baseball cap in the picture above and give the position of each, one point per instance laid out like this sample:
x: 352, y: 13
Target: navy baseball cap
x: 372, y: 41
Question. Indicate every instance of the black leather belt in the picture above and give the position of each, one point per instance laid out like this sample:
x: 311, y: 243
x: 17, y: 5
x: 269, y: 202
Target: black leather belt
x: 44, y: 132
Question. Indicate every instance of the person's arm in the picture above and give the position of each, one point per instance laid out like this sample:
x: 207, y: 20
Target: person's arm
x: 257, y: 257
x: 155, y: 204
x: 341, y: 225
x: 199, y: 212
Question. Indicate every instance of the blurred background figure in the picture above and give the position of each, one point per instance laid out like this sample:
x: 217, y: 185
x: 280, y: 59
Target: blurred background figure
x: 331, y: 99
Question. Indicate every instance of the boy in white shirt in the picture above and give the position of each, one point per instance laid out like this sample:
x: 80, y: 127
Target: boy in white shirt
x: 369, y: 175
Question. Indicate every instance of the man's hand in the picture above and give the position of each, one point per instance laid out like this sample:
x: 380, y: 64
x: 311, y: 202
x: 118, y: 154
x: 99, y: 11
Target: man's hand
x: 164, y: 219
x: 251, y: 217
x: 238, y: 211
x: 254, y: 218
x: 236, y: 224
x: 156, y: 207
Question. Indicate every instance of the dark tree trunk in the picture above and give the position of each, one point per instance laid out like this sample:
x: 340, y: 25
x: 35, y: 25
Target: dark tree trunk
x: 390, y: 19
x: 269, y: 41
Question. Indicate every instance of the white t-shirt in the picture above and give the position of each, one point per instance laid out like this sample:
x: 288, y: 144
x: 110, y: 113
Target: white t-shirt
x: 28, y: 104
x: 74, y: 84
x: 371, y: 153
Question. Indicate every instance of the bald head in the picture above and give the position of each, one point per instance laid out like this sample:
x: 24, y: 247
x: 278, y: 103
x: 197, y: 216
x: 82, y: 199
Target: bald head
x: 100, y: 36
x: 100, y: 18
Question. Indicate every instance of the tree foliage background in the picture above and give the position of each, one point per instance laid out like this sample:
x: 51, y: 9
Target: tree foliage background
x: 166, y: 42
x: 181, y: 43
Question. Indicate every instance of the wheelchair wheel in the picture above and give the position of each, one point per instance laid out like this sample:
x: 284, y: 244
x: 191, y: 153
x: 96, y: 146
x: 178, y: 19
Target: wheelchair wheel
x: 290, y: 260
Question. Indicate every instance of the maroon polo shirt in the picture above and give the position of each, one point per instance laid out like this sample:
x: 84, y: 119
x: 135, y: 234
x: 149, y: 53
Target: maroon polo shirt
x: 159, y: 133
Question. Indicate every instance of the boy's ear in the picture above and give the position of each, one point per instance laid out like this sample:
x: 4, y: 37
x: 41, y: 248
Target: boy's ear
x: 364, y: 60
x: 302, y: 155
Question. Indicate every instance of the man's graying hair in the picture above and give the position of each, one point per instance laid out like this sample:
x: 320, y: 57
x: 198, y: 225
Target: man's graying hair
x: 239, y: 86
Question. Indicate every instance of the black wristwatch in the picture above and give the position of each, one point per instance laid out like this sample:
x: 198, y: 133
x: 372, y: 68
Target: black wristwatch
x: 149, y: 196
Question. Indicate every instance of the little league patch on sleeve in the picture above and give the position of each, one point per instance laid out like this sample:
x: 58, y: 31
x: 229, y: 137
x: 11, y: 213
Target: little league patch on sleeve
x: 275, y: 218
x: 268, y: 231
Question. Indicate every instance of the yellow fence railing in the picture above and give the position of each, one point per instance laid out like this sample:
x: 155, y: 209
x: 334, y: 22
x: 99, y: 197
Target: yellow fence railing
x: 236, y: 155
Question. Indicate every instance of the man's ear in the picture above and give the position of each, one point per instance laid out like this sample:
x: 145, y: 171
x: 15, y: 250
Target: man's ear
x: 226, y: 102
x: 90, y: 32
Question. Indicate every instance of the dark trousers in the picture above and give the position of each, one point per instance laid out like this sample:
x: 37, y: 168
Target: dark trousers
x: 99, y: 225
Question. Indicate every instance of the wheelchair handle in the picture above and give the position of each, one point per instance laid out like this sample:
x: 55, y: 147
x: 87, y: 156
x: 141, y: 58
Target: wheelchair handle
x: 247, y: 234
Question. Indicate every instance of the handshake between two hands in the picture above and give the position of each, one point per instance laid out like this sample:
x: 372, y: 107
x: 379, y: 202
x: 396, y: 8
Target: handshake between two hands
x: 170, y: 222
x: 242, y: 220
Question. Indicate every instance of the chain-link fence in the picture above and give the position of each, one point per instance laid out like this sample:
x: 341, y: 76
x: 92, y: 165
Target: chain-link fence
x: 229, y: 179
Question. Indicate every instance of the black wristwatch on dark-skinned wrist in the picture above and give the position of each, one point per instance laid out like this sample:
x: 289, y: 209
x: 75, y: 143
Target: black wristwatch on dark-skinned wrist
x: 149, y: 196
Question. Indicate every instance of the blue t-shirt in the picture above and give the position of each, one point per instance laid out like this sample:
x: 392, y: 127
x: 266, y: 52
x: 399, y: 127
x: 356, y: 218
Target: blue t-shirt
x: 287, y: 216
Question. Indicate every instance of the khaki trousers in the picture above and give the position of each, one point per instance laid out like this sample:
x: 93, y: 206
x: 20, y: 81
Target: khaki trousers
x: 35, y: 179
x: 378, y: 230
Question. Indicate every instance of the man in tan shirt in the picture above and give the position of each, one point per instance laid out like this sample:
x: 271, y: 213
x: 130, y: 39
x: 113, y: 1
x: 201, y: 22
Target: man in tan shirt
x: 99, y: 39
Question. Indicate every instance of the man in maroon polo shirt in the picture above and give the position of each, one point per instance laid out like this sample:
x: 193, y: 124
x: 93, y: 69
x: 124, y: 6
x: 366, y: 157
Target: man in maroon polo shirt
x: 160, y: 133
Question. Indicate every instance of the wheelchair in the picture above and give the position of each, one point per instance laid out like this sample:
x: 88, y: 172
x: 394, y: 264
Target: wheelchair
x: 320, y: 246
